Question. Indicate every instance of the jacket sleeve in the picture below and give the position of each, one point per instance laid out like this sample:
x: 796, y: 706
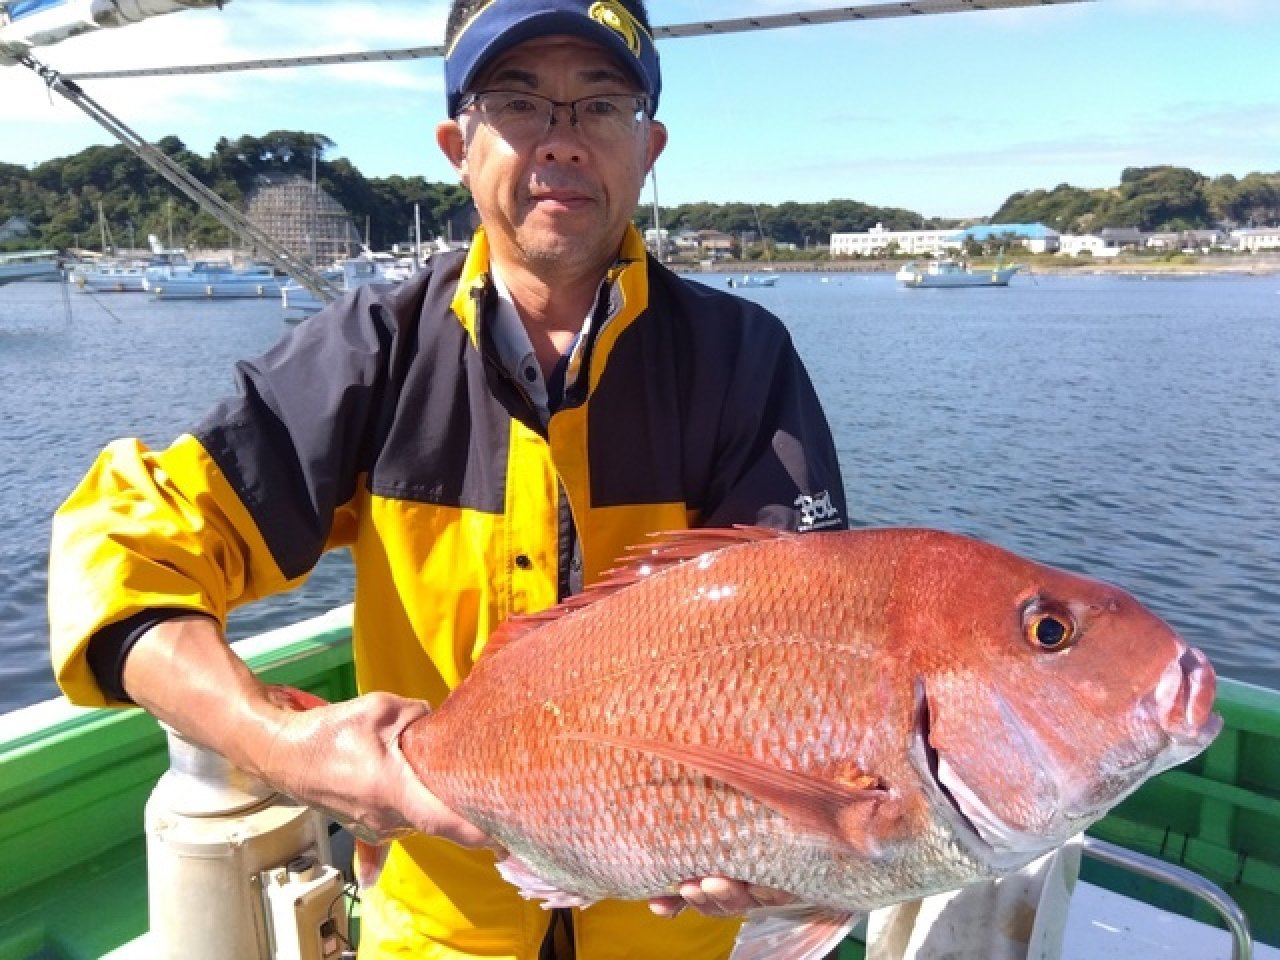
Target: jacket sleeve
x: 776, y: 462
x: 240, y: 508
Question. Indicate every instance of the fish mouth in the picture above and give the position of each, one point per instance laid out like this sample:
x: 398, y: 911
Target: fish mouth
x: 1180, y: 709
x: 976, y: 828
x: 1183, y: 701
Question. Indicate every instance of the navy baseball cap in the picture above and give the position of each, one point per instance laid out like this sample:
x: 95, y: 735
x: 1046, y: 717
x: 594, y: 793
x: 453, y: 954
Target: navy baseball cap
x: 502, y: 24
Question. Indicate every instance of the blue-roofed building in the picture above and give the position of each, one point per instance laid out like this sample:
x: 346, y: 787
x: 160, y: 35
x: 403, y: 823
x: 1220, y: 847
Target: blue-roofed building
x: 1036, y: 237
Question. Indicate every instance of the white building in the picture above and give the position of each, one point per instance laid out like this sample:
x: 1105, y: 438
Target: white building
x: 1253, y: 239
x: 1071, y: 245
x: 877, y: 241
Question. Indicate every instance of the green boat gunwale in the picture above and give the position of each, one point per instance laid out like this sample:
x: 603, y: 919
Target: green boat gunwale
x: 73, y: 782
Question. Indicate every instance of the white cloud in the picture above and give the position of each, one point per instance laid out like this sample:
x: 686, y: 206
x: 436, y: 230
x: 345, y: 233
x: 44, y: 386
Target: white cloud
x: 230, y: 102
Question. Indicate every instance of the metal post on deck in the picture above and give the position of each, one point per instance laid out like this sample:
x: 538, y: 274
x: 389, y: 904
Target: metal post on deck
x: 1183, y: 879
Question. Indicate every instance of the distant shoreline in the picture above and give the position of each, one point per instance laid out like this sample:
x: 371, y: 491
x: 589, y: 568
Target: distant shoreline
x: 1256, y: 265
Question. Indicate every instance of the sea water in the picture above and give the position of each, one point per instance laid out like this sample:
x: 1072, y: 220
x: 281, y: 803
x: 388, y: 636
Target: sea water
x: 1126, y: 428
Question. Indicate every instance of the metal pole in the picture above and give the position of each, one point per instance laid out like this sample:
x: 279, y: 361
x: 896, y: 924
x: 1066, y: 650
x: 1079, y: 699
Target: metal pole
x: 1182, y: 879
x: 417, y: 236
x: 657, y: 220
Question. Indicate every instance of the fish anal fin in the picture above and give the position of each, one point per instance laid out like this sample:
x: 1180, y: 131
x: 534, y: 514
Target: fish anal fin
x: 796, y: 932
x: 840, y: 811
x: 662, y: 551
x: 532, y: 886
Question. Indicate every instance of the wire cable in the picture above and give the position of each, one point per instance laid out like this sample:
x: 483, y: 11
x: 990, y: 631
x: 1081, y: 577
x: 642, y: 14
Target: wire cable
x: 704, y: 28
x: 170, y: 170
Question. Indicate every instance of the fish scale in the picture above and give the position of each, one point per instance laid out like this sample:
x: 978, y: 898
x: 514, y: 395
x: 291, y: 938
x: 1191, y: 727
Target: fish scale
x: 857, y: 718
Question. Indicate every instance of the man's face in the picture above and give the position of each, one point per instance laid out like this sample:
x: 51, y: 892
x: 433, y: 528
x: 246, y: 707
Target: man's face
x: 560, y: 201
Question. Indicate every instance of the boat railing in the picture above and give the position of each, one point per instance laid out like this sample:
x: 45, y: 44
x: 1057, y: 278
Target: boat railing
x: 1188, y: 881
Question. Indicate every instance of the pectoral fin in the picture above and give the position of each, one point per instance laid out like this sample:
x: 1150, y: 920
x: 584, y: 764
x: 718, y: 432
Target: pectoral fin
x: 799, y: 932
x: 835, y: 809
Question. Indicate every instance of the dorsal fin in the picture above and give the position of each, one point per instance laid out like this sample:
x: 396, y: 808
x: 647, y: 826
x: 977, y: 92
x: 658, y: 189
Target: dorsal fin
x: 662, y: 551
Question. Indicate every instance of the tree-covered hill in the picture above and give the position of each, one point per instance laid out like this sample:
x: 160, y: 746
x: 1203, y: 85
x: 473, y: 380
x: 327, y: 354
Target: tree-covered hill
x: 803, y: 224
x: 1152, y: 199
x: 62, y: 197
x: 70, y: 198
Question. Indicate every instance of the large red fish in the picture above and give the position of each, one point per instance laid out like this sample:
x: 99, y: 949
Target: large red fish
x: 858, y: 718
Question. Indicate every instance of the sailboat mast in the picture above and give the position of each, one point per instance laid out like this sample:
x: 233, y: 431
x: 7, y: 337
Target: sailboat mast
x: 314, y: 213
x: 657, y: 218
x: 417, y: 236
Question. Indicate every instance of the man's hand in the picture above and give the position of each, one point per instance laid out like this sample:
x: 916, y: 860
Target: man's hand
x: 344, y: 758
x: 719, y: 897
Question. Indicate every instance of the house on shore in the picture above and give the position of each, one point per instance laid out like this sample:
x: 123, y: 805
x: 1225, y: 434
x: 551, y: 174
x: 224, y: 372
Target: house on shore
x: 1256, y: 239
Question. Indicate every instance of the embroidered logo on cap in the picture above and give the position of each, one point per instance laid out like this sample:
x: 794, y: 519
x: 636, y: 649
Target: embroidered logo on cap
x: 611, y: 14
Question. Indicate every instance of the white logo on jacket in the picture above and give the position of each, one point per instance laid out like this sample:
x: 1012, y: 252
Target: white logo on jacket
x: 816, y: 511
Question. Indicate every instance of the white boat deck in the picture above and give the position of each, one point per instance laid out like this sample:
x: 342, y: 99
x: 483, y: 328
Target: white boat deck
x: 1108, y: 926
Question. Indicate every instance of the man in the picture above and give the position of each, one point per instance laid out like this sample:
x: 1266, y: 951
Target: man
x: 486, y: 437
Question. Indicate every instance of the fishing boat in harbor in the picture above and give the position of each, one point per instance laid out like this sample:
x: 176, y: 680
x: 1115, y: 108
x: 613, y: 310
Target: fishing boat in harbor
x: 298, y: 302
x: 766, y: 277
x: 111, y: 276
x: 949, y: 272
x: 213, y: 281
x: 30, y: 265
x: 754, y: 280
x: 1189, y: 866
x: 128, y: 274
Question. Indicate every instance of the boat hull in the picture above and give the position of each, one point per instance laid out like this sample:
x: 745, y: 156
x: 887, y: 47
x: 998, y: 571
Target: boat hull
x: 30, y: 272
x: 753, y: 280
x: 967, y: 278
x: 73, y: 784
x: 111, y: 281
x: 256, y: 288
x: 949, y: 272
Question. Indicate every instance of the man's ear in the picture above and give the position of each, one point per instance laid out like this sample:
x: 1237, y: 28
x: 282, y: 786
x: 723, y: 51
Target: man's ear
x: 453, y: 144
x: 657, y: 142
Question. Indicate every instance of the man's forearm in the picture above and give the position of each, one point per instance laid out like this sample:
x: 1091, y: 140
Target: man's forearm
x: 184, y: 673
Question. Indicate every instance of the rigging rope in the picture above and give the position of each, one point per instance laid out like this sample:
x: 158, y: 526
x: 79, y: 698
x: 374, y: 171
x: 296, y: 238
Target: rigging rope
x: 867, y: 11
x: 205, y: 198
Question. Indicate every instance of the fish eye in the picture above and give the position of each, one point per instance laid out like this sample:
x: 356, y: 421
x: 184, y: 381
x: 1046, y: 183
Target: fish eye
x: 1049, y: 630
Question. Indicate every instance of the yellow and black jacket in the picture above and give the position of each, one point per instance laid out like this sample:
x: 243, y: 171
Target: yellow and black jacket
x: 386, y: 425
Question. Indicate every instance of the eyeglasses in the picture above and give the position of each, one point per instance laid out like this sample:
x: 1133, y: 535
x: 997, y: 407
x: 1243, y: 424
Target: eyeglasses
x: 520, y: 117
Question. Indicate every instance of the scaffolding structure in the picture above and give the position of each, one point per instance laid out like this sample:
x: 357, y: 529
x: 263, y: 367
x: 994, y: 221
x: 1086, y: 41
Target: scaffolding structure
x: 302, y: 217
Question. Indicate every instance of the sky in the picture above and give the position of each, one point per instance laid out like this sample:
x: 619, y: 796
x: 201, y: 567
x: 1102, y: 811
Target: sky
x: 945, y: 115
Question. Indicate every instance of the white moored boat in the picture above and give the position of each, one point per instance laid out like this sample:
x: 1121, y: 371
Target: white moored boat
x: 30, y: 265
x: 110, y: 277
x: 213, y: 281
x: 754, y: 280
x: 952, y: 273
x: 299, y: 302
x: 128, y: 275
